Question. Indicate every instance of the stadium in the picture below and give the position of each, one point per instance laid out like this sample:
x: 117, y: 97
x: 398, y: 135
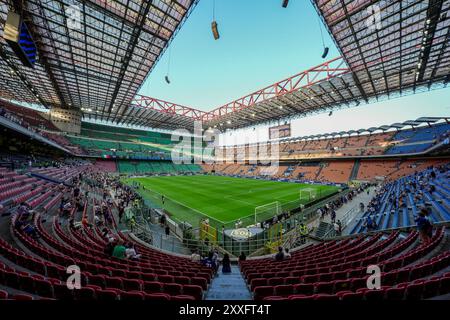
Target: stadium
x: 332, y: 184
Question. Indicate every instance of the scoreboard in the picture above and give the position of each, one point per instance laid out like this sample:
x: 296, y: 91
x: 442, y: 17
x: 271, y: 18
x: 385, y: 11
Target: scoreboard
x: 280, y: 131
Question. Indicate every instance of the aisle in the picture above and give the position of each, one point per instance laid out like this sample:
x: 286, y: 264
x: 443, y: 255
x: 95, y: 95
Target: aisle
x: 229, y: 287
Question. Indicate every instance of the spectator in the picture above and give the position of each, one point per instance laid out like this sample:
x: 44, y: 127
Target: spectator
x: 423, y: 226
x: 121, y: 211
x: 226, y: 264
x: 287, y: 254
x: 242, y: 257
x: 280, y: 255
x: 167, y: 231
x: 337, y: 229
x: 130, y: 252
x: 119, y: 251
x: 195, y: 257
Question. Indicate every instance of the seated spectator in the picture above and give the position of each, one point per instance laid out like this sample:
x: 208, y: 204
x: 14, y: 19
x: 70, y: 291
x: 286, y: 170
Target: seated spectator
x: 280, y: 255
x: 98, y: 222
x: 85, y: 223
x: 119, y: 251
x: 30, y: 230
x: 130, y: 252
x: 287, y: 254
x: 67, y: 208
x: 195, y: 257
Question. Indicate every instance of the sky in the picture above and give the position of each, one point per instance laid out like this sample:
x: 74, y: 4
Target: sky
x: 262, y: 43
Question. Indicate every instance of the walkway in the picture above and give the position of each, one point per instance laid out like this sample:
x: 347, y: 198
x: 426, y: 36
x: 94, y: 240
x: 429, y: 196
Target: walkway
x: 342, y: 211
x: 229, y: 286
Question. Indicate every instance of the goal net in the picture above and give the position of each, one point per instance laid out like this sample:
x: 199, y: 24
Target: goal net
x: 267, y: 211
x: 307, y: 194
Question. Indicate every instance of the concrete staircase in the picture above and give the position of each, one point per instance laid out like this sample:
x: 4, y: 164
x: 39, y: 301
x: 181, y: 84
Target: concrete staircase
x: 355, y: 170
x: 323, y: 228
x: 230, y: 286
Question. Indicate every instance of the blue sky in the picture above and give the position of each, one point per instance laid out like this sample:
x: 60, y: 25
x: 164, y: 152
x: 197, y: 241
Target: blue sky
x: 262, y: 43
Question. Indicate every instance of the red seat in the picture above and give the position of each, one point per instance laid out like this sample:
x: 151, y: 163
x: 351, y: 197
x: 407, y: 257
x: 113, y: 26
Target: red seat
x: 132, y: 285
x: 182, y: 297
x: 263, y: 291
x: 3, y: 295
x: 341, y: 285
x: 284, y: 290
x: 200, y: 282
x: 132, y: 296
x: 27, y: 284
x: 114, y: 282
x: 153, y: 286
x: 394, y: 293
x: 358, y: 283
x: 351, y: 296
x: 148, y: 276
x: 44, y: 288
x: 292, y: 280
x: 304, y: 289
x: 11, y: 279
x: 372, y: 295
x: 182, y: 280
x: 166, y: 279
x: 172, y: 288
x: 157, y: 296
x: 324, y: 287
x: 97, y: 280
x: 326, y: 297
x: 310, y: 278
x: 275, y: 281
x: 61, y: 292
x: 106, y: 295
x: 22, y: 297
x: 445, y: 285
x: 193, y: 290
x: 257, y: 282
x: 300, y: 297
x: 85, y: 294
x: 431, y: 288
x: 414, y: 291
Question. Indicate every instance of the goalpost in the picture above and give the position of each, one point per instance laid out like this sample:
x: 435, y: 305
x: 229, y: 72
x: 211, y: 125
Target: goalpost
x: 308, y: 194
x: 267, y: 211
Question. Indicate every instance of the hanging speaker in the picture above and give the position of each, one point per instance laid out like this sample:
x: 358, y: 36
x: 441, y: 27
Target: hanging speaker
x: 215, y: 30
x: 285, y: 3
x: 167, y: 79
x: 325, y: 52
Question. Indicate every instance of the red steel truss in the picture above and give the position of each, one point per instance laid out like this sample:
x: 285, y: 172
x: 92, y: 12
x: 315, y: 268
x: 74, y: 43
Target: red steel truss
x: 168, y: 107
x: 305, y: 79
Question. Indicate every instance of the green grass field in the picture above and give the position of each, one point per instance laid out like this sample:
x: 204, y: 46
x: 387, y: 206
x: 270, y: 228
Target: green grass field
x: 223, y: 199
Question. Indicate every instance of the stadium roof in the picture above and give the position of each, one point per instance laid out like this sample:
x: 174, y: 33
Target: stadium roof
x: 388, y: 49
x: 96, y: 63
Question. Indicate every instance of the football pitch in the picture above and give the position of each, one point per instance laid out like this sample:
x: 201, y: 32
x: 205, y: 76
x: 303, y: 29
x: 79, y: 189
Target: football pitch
x: 223, y: 199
